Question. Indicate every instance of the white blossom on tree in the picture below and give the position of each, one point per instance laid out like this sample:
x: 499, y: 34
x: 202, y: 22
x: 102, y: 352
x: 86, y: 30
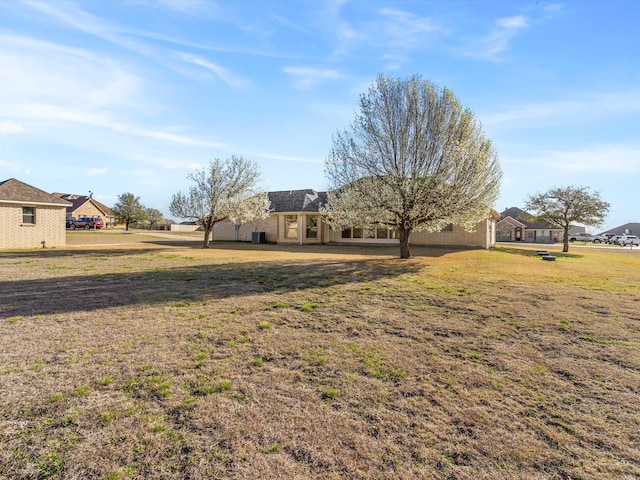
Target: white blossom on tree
x: 224, y: 191
x: 565, y: 206
x: 413, y: 159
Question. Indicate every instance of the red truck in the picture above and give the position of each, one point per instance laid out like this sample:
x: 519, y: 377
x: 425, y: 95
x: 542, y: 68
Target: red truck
x: 85, y: 222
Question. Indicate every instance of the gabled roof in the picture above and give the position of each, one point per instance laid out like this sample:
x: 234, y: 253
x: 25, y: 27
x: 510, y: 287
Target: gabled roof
x: 78, y: 200
x: 632, y: 228
x: 524, y: 217
x: 15, y: 191
x: 511, y: 221
x: 297, y: 201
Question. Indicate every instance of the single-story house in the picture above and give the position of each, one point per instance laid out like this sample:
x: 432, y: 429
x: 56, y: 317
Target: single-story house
x: 515, y: 225
x: 295, y: 219
x: 626, y: 229
x: 87, y: 206
x: 30, y: 217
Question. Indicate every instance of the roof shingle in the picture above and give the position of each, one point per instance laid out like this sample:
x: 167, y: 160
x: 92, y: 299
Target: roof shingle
x: 13, y: 190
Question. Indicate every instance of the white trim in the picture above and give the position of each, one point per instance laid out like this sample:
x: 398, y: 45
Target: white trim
x: 26, y: 203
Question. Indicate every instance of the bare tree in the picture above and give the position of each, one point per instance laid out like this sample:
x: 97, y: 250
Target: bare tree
x: 562, y: 207
x: 413, y: 159
x: 128, y: 209
x: 224, y: 191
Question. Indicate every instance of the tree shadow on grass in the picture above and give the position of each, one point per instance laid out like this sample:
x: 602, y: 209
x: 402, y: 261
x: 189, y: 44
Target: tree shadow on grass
x: 78, y: 293
x: 533, y: 252
x: 392, y: 251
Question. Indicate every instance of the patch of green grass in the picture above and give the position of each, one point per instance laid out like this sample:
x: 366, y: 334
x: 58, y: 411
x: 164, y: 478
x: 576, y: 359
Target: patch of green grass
x: 56, y: 397
x: 82, y: 391
x: 316, y: 356
x: 264, y: 325
x: 329, y: 394
x: 257, y: 362
x: 223, y: 386
x: 51, y: 463
x: 308, y: 307
x: 105, y: 380
x: 273, y: 448
x: 595, y: 339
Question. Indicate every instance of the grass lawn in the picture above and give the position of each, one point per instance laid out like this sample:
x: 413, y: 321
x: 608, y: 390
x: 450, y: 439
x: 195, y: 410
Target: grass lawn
x: 133, y: 356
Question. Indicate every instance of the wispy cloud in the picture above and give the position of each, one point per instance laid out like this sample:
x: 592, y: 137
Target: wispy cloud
x: 498, y: 40
x: 90, y: 24
x: 579, y: 108
x: 222, y: 73
x: 15, y: 167
x: 598, y: 159
x: 9, y: 128
x: 286, y: 158
x: 94, y: 172
x: 46, y: 71
x: 305, y: 78
x: 288, y: 23
x: 406, y: 30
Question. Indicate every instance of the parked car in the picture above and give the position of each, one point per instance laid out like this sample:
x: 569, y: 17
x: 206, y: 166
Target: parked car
x: 87, y: 223
x: 613, y: 239
x: 625, y: 240
x: 70, y: 221
x: 585, y: 237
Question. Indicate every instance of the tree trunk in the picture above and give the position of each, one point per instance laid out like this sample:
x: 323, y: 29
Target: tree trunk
x: 126, y: 226
x: 565, y: 240
x: 404, y: 243
x: 207, y: 235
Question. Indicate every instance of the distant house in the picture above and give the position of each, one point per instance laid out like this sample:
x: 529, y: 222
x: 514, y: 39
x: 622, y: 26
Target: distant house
x: 626, y: 229
x: 87, y: 206
x: 295, y: 219
x: 30, y: 217
x: 516, y: 225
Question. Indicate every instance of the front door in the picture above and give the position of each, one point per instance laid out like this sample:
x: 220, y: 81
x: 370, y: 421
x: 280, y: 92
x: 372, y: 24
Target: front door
x: 518, y: 234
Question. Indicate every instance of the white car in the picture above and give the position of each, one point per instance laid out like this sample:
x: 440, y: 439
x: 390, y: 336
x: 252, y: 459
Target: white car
x: 625, y: 240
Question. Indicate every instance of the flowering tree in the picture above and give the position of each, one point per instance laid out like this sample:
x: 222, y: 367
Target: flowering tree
x: 224, y: 191
x: 414, y: 159
x: 562, y: 207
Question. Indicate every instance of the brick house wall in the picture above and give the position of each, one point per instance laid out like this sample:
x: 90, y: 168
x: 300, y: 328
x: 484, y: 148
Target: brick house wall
x: 88, y: 209
x: 49, y: 226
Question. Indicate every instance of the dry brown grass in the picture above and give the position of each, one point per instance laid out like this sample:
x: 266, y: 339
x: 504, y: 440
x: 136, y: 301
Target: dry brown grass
x: 155, y: 359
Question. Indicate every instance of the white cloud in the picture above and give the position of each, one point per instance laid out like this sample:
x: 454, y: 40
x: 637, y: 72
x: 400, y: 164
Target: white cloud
x: 405, y: 30
x: 43, y: 71
x: 222, y: 73
x: 288, y: 23
x: 593, y: 159
x: 90, y: 24
x: 308, y: 77
x: 94, y: 172
x: 8, y: 128
x: 576, y: 109
x: 15, y: 167
x: 498, y: 40
x: 622, y: 159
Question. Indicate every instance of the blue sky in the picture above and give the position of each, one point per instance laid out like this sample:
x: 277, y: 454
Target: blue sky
x: 132, y: 96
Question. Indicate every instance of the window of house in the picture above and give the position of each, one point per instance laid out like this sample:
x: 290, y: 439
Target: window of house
x: 346, y: 233
x: 382, y: 231
x: 29, y: 215
x: 369, y: 231
x: 290, y: 226
x: 312, y: 226
x: 357, y: 232
x: 393, y: 233
x: 447, y: 228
